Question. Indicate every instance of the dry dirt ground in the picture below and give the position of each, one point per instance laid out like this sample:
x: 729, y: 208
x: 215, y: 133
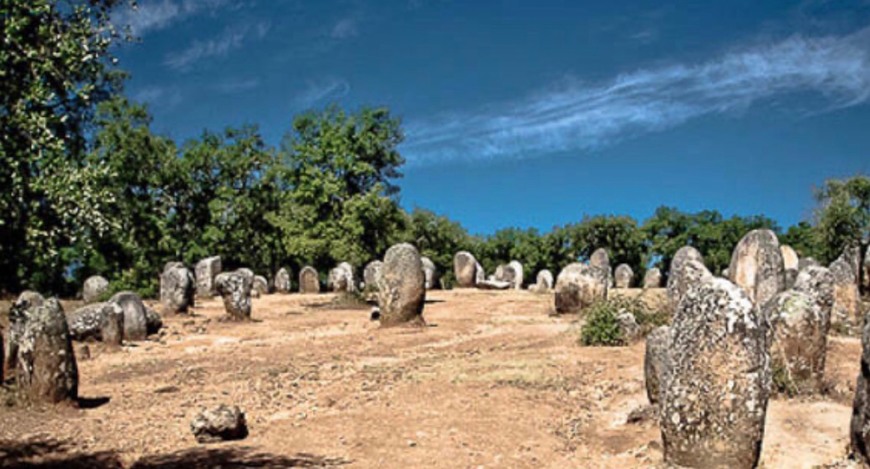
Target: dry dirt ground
x: 493, y: 381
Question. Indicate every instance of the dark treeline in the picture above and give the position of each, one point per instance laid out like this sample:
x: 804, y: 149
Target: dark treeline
x: 90, y: 189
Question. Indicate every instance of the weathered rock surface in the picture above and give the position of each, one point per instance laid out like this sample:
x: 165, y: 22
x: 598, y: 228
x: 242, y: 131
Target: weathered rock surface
x: 401, y: 287
x: 465, y: 268
x: 519, y: 274
x: 97, y: 321
x: 206, y: 272
x: 818, y: 282
x: 859, y: 428
x: 26, y: 301
x: 493, y: 284
x: 623, y: 276
x: 219, y: 424
x: 799, y: 329
x: 805, y: 262
x: 600, y: 260
x: 371, y: 273
x: 135, y: 318
x: 177, y: 288
x: 715, y: 400
x: 283, y: 283
x: 94, y: 287
x: 153, y: 321
x: 260, y: 285
x: 309, y: 280
x: 430, y: 270
x: 578, y: 286
x: 511, y: 273
x: 657, y: 362
x: 479, y: 272
x: 543, y: 282
x: 341, y: 279
x: 847, y: 300
x: 757, y: 266
x: 679, y: 281
x: 47, y: 369
x: 690, y: 274
x: 652, y: 278
x: 235, y: 289
x: 790, y: 259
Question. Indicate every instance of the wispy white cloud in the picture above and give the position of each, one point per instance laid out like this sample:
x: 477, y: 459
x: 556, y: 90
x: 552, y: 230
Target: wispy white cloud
x: 579, y: 116
x: 158, y: 96
x: 322, y: 90
x: 154, y: 15
x: 237, y: 85
x: 231, y: 39
x: 345, y: 28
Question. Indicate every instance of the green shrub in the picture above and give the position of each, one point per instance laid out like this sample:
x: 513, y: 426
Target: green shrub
x: 602, y: 324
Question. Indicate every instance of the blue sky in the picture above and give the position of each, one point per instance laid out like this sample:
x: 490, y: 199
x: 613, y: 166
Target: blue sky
x: 534, y: 113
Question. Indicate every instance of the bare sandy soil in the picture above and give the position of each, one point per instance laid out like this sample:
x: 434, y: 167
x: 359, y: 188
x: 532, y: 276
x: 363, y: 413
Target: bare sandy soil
x: 492, y: 382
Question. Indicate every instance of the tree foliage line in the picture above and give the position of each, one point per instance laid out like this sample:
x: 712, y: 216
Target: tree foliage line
x: 89, y: 188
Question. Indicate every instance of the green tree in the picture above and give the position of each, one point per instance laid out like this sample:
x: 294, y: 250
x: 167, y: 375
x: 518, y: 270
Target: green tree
x: 802, y: 238
x: 438, y: 238
x: 619, y: 235
x: 55, y: 66
x: 843, y: 216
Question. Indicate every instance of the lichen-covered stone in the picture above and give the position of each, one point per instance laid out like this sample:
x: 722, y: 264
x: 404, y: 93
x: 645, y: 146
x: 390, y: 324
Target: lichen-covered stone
x: 465, y: 268
x: 600, y: 260
x: 97, y: 321
x: 519, y: 274
x: 691, y: 273
x: 799, y: 329
x: 135, y: 319
x: 235, y: 289
x: 206, y: 271
x: 859, y: 429
x: 17, y: 317
x: 177, y: 288
x: 623, y: 276
x: 219, y: 424
x: 790, y: 259
x: 657, y: 362
x: 847, y: 300
x: 652, y: 278
x: 715, y: 400
x: 578, y: 286
x: 401, y: 287
x: 511, y: 273
x: 543, y: 282
x: 341, y: 279
x: 371, y: 273
x: 757, y: 266
x: 309, y: 280
x: 479, y: 272
x: 678, y: 281
x: 283, y: 284
x: 260, y: 285
x: 94, y: 287
x: 805, y: 262
x: 47, y: 369
x: 818, y: 282
x: 153, y: 321
x: 430, y: 270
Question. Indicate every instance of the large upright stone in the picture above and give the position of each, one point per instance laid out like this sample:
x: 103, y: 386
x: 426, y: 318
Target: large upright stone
x: 26, y: 301
x: 578, y: 286
x: 430, y: 270
x: 623, y: 276
x: 678, y: 281
x: 790, y: 259
x: 652, y: 278
x: 260, y: 285
x: 543, y: 282
x: 852, y: 255
x: 715, y: 400
x: 799, y: 331
x: 371, y: 272
x: 401, y: 287
x: 847, y: 300
x: 866, y: 268
x: 47, y: 370
x: 511, y: 273
x: 97, y: 321
x: 341, y: 279
x: 235, y: 289
x: 465, y: 268
x: 479, y: 272
x: 177, y: 288
x: 519, y: 274
x: 691, y: 273
x: 206, y: 272
x: 135, y: 316
x: 283, y: 284
x: 94, y: 287
x: 860, y: 426
x: 309, y: 280
x: 757, y: 266
x: 805, y: 262
x: 657, y: 362
x: 818, y: 282
x: 600, y: 260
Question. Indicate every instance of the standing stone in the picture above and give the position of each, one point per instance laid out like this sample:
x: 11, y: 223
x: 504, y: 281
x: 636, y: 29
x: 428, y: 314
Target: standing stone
x: 691, y: 273
x: 805, y: 262
x: 867, y: 270
x: 153, y: 321
x: 261, y: 285
x: 465, y: 268
x: 95, y: 320
x: 790, y: 259
x: 401, y: 287
x: 135, y: 319
x: 578, y: 286
x: 479, y: 272
x: 341, y: 279
x: 206, y: 272
x: 852, y: 255
x: 309, y: 280
x: 799, y: 329
x: 247, y: 273
x: 47, y: 370
x: 860, y: 425
x: 818, y: 282
x: 657, y: 362
x: 511, y: 273
x: 371, y: 273
x: 715, y: 400
x: 678, y: 281
x: 623, y: 276
x: 600, y: 260
x: 757, y: 266
x: 430, y: 270
x: 235, y: 289
x: 25, y: 302
x: 94, y: 287
x: 543, y: 282
x: 282, y: 281
x: 847, y: 300
x: 177, y: 288
x: 652, y: 278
